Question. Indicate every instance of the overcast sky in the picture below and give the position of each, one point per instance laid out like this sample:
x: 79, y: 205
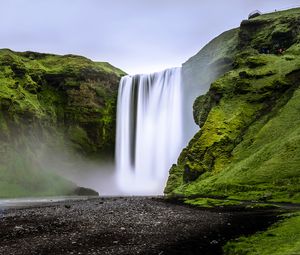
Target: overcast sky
x: 134, y: 35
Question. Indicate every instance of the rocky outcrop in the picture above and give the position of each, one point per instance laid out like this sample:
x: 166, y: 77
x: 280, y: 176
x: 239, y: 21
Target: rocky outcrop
x: 59, y: 102
x: 81, y: 191
x: 248, y: 145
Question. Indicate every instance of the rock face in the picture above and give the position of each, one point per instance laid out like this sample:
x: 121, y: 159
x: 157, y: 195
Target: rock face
x: 201, y: 70
x: 249, y: 143
x: 52, y: 101
x: 81, y: 191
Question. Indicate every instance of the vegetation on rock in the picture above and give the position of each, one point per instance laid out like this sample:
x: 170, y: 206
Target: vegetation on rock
x: 66, y: 102
x: 248, y: 147
x: 215, y: 59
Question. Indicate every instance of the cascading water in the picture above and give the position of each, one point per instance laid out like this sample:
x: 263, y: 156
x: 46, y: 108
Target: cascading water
x: 149, y: 130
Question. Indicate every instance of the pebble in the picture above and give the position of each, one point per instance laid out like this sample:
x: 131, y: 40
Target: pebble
x: 214, y: 242
x: 139, y: 226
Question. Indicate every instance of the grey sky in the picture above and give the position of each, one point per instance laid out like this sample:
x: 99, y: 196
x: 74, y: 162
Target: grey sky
x: 135, y: 35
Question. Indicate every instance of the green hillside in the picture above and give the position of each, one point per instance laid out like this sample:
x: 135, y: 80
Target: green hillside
x: 249, y: 144
x: 52, y: 103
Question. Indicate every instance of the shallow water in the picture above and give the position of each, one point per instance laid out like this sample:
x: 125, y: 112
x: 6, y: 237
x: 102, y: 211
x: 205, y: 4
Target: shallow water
x: 30, y: 201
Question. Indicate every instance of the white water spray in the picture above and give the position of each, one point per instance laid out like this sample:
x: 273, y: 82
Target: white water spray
x: 149, y: 130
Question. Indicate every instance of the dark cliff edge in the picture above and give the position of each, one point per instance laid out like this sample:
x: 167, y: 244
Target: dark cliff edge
x: 52, y: 104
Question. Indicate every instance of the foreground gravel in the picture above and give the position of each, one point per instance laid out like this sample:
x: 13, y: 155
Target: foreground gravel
x: 127, y: 225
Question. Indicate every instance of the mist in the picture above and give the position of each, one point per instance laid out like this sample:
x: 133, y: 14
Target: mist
x: 96, y: 174
x: 40, y: 164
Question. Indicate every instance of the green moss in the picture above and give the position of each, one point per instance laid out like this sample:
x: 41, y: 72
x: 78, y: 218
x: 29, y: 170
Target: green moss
x: 262, y: 206
x: 248, y: 145
x: 275, y: 30
x: 59, y: 101
x: 78, y: 136
x: 256, y: 61
x: 282, y: 238
x: 210, y: 203
x: 175, y: 179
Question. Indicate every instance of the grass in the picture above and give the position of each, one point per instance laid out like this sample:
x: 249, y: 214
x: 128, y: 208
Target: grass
x: 264, y: 164
x: 205, y: 202
x: 248, y: 147
x: 211, y: 203
x: 283, y: 238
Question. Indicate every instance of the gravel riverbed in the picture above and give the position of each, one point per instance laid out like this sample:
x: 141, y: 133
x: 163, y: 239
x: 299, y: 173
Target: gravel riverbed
x: 124, y: 225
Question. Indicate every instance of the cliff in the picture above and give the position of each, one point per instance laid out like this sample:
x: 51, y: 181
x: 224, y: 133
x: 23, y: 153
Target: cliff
x: 248, y: 146
x: 51, y: 103
x: 201, y: 70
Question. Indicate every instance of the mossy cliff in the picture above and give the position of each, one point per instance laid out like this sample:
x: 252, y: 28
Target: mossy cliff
x: 66, y: 102
x: 248, y: 146
x: 201, y: 70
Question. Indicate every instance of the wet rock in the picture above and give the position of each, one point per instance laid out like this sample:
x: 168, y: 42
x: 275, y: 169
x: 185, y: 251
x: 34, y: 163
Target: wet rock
x: 81, y: 191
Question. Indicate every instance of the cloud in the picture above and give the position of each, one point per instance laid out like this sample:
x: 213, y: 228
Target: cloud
x: 135, y: 35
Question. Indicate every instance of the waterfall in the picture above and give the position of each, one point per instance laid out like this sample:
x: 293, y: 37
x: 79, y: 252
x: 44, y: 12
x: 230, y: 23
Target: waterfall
x: 149, y: 130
